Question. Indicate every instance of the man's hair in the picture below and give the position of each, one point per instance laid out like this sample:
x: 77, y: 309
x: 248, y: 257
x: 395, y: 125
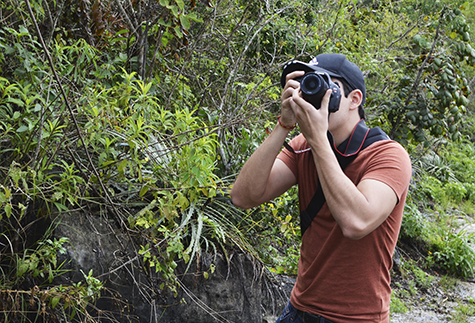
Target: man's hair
x: 348, y: 89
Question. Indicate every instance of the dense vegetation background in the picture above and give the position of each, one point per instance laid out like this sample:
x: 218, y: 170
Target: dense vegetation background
x: 144, y: 111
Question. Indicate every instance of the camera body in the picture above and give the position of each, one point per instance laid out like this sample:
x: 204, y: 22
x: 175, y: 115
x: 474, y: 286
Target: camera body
x: 314, y: 85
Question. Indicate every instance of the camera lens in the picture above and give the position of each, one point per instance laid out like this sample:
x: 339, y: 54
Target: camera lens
x: 311, y: 84
x: 313, y: 88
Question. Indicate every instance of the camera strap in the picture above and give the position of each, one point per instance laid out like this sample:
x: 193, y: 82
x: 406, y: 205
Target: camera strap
x: 345, y: 153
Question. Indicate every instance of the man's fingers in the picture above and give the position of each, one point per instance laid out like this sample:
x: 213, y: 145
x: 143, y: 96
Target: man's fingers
x: 294, y: 75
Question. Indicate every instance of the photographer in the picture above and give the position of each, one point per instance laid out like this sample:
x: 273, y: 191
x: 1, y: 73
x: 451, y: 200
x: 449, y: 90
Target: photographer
x: 353, y: 178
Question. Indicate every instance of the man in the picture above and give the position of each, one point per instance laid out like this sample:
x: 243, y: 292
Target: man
x: 346, y: 251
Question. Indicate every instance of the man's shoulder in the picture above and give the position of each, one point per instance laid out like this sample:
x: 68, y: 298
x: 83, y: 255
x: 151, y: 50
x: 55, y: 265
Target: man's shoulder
x: 387, y: 151
x: 387, y: 145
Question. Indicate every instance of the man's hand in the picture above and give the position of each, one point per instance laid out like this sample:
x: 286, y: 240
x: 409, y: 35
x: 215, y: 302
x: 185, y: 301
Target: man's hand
x: 286, y: 98
x: 313, y: 123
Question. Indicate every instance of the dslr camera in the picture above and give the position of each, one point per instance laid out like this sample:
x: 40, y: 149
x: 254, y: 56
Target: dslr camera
x: 314, y: 84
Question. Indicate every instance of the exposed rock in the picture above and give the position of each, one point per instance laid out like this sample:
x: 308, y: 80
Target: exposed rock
x: 239, y: 289
x: 95, y: 245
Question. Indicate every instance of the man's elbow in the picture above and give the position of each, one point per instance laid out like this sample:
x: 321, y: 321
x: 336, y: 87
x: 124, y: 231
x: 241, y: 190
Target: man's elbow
x: 355, y: 232
x: 354, y: 235
x: 239, y: 201
x: 355, y: 227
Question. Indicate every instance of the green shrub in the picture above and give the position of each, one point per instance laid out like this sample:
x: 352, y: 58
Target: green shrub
x: 470, y: 189
x: 453, y: 252
x: 414, y: 225
x: 455, y: 192
x: 433, y: 189
x: 463, y: 311
x: 397, y: 305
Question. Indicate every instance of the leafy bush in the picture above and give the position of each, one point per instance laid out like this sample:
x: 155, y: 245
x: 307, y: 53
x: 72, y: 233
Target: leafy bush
x: 433, y: 189
x: 439, y: 182
x: 455, y: 191
x: 414, y: 225
x: 397, y: 305
x: 463, y: 312
x: 470, y: 189
x: 454, y: 253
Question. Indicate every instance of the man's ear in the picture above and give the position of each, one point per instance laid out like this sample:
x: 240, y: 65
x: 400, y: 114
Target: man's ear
x: 356, y: 97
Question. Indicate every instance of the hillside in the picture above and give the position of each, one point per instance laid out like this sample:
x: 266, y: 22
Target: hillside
x: 131, y: 120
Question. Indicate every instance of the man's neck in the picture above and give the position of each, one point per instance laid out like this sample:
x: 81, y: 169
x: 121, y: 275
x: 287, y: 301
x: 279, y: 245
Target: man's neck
x: 345, y: 132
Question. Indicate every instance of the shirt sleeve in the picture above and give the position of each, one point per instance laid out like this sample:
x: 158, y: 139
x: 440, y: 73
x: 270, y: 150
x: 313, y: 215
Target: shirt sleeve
x: 290, y: 159
x: 391, y: 165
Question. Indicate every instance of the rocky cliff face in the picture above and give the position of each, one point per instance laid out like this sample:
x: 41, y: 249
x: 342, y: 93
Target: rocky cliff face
x: 238, y: 290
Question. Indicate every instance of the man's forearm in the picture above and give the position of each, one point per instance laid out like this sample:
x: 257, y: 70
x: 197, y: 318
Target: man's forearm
x: 252, y: 185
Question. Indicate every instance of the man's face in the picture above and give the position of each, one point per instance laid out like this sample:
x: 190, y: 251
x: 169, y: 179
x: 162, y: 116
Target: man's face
x: 337, y: 118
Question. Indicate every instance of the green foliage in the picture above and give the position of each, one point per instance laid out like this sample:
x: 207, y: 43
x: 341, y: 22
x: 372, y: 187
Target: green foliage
x: 43, y: 261
x: 445, y: 249
x: 47, y: 303
x: 433, y: 188
x: 417, y: 85
x: 454, y: 253
x: 463, y: 311
x: 124, y: 141
x: 415, y: 276
x: 445, y: 182
x: 277, y: 232
x: 167, y: 103
x: 414, y: 225
x: 447, y: 177
x: 455, y: 191
x: 397, y: 305
x: 448, y: 283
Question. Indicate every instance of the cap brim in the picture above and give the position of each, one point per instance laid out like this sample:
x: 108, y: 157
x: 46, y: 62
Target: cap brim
x: 301, y: 66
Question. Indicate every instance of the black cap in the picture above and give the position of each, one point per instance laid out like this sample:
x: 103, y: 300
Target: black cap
x: 336, y: 65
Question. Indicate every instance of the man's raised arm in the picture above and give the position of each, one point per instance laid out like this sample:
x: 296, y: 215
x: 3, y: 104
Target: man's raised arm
x: 263, y: 177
